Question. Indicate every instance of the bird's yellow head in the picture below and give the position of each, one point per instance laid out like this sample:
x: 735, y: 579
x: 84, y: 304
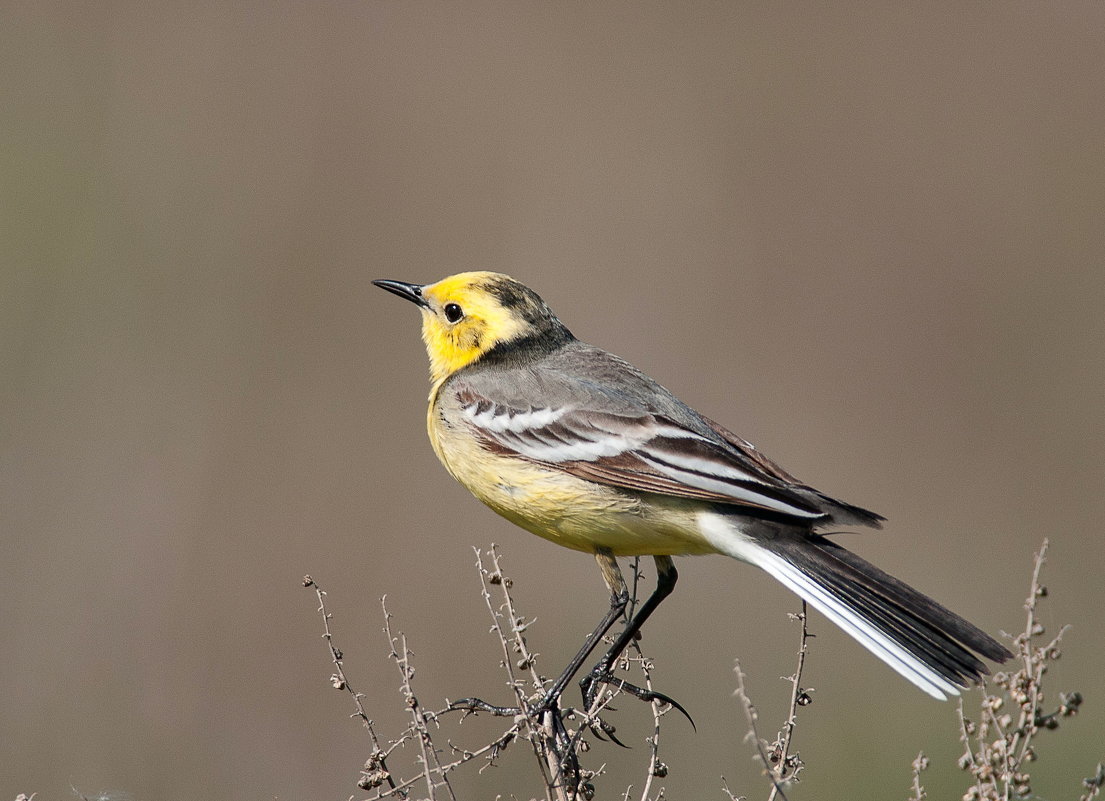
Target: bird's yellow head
x: 476, y: 316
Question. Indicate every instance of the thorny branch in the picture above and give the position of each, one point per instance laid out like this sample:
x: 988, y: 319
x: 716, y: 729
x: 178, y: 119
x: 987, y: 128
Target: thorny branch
x: 376, y: 771
x: 534, y: 731
x: 780, y: 765
x: 919, y: 765
x: 656, y: 768
x: 998, y: 747
x: 787, y: 766
x: 1002, y: 741
x: 555, y: 747
x: 376, y: 766
x: 431, y: 763
x: 754, y: 734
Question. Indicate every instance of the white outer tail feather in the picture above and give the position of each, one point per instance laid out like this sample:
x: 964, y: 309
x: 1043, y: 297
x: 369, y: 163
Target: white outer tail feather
x: 722, y: 533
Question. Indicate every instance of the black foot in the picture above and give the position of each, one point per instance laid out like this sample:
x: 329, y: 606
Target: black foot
x: 604, y: 731
x: 589, y: 686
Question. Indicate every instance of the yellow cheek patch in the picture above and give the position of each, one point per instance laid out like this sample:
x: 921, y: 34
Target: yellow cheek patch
x: 452, y: 347
x: 485, y: 323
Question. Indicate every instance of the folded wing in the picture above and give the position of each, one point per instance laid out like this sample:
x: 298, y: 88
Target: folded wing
x: 638, y: 450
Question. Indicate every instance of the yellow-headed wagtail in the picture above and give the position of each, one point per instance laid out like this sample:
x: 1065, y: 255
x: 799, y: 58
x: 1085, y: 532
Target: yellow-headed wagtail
x: 581, y: 448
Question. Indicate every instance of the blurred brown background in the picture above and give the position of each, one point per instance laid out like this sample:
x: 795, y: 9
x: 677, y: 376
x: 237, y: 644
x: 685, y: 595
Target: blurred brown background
x: 868, y: 239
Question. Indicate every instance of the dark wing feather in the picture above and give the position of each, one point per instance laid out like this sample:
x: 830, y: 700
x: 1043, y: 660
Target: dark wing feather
x: 643, y: 452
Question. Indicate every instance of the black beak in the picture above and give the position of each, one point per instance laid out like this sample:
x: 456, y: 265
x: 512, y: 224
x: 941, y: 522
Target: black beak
x: 412, y: 292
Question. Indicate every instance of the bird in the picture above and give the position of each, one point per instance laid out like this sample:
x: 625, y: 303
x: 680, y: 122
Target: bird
x: 575, y: 444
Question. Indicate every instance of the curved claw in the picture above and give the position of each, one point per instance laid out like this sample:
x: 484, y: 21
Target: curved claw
x: 600, y: 727
x: 652, y: 695
x: 588, y: 684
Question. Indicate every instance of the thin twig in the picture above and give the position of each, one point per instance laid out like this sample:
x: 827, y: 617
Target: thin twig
x: 518, y: 626
x: 754, y: 734
x: 787, y: 767
x: 656, y: 768
x: 999, y: 746
x: 1034, y: 666
x: 376, y: 771
x: 376, y: 767
x: 725, y: 789
x: 541, y: 737
x: 920, y: 764
x: 555, y: 746
x: 431, y: 763
x: 492, y: 750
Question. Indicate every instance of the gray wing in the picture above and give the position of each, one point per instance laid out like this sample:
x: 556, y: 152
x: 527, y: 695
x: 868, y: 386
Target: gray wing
x: 597, y: 417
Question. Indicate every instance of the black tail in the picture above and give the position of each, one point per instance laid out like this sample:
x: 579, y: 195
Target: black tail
x: 885, y: 615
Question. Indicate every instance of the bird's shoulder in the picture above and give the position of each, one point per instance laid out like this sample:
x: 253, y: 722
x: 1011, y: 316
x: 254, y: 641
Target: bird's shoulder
x: 578, y: 376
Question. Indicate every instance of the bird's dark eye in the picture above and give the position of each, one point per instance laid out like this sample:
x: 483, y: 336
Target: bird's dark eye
x: 453, y: 312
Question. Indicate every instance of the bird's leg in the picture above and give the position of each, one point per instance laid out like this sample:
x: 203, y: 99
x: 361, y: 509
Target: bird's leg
x: 619, y: 600
x: 666, y: 576
x: 548, y: 710
x: 602, y: 673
